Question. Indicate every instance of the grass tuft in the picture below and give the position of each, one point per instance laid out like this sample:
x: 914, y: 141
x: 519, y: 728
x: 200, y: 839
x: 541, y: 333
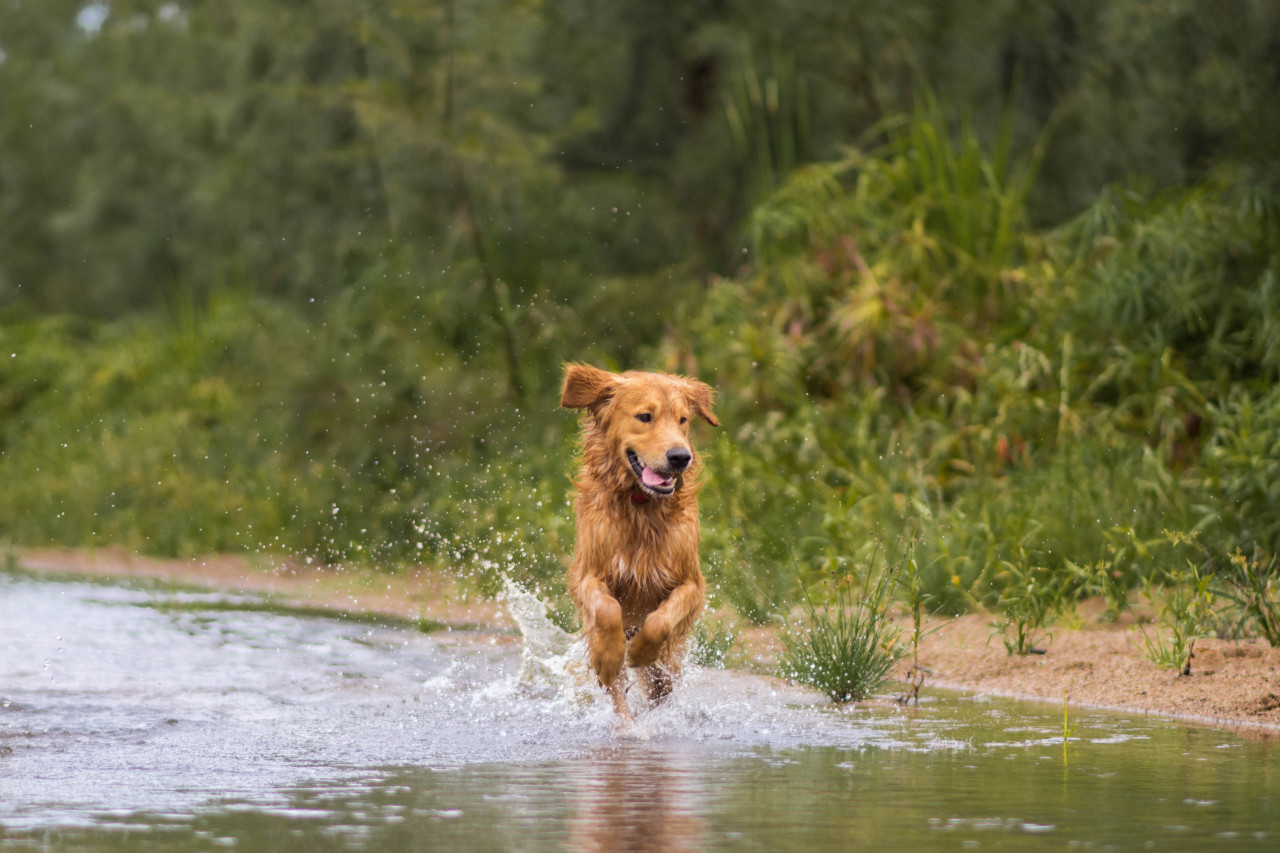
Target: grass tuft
x: 847, y: 646
x: 711, y: 642
x: 1184, y: 601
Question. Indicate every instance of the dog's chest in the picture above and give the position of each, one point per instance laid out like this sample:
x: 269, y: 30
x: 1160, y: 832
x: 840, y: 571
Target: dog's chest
x: 644, y: 571
x: 641, y: 551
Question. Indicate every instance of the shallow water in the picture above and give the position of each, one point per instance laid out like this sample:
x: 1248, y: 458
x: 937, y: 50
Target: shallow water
x: 149, y: 719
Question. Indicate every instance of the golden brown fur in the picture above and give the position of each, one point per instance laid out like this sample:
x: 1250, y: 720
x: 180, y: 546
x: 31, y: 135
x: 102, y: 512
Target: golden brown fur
x: 635, y: 574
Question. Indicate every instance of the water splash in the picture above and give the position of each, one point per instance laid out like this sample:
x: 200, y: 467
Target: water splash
x: 707, y: 705
x: 553, y: 663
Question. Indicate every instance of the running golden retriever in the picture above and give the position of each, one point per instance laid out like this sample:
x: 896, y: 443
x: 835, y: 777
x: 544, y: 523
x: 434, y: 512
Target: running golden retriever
x: 635, y: 574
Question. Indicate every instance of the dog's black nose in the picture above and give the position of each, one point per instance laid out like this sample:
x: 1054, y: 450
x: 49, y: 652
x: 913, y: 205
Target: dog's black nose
x: 678, y: 458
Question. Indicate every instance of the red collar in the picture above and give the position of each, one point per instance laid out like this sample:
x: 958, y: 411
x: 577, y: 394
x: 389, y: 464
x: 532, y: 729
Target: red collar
x: 638, y: 497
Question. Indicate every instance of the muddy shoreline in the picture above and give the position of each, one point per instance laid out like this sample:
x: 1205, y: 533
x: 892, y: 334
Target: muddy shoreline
x: 1085, y: 663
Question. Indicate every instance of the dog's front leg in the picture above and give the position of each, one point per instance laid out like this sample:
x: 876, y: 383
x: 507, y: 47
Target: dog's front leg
x: 681, y: 605
x: 606, y: 644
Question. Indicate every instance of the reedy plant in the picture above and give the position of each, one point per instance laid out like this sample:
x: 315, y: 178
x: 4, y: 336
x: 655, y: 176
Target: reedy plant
x: 874, y: 269
x: 917, y: 599
x: 767, y: 107
x: 1029, y: 601
x: 973, y: 202
x: 1184, y: 605
x: 1250, y: 586
x: 1186, y: 276
x: 847, y: 644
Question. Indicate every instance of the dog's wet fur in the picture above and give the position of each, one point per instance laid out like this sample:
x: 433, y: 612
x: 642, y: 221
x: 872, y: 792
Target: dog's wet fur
x: 635, y: 575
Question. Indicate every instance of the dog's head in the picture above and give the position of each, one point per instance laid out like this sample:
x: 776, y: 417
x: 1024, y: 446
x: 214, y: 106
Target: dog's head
x: 643, y: 420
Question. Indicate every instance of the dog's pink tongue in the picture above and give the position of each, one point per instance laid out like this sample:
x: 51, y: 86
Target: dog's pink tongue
x: 651, y: 478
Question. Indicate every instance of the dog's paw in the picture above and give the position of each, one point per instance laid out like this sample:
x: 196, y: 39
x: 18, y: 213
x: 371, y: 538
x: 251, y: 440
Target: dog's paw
x: 607, y: 649
x: 607, y: 663
x: 645, y: 646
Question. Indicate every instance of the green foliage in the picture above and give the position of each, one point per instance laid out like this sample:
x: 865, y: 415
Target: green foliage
x: 873, y: 269
x: 1242, y: 470
x: 768, y: 115
x: 294, y: 145
x: 1182, y: 282
x: 1115, y: 576
x: 1184, y: 600
x: 848, y: 643
x: 981, y: 398
x: 241, y: 427
x: 1030, y: 599
x: 711, y: 643
x: 1251, y: 589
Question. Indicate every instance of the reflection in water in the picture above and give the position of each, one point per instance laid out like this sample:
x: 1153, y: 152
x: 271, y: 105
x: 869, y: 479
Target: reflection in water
x: 636, y: 800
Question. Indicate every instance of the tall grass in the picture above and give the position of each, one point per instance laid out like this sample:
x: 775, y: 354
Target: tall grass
x: 1183, y: 599
x: 766, y: 105
x: 847, y: 643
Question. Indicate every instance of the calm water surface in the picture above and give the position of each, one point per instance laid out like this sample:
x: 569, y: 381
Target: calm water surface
x: 148, y: 719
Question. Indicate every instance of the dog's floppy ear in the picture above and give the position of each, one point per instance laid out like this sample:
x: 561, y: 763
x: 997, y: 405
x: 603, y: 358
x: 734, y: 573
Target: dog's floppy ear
x: 700, y: 396
x: 586, y: 387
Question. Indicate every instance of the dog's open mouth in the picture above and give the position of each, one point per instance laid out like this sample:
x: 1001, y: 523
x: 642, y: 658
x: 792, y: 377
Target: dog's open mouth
x: 654, y: 482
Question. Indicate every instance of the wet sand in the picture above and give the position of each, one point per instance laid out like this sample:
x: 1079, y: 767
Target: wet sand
x: 1088, y: 663
x: 1105, y: 666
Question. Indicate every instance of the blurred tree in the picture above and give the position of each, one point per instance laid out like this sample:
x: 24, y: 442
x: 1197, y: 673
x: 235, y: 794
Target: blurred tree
x: 512, y: 157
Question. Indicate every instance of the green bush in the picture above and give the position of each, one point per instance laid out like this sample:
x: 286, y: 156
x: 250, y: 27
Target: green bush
x: 1242, y: 471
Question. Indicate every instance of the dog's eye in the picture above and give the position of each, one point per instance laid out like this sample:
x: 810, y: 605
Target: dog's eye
x: 644, y: 417
x: 684, y: 420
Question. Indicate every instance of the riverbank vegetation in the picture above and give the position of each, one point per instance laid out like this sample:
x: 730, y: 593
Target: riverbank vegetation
x: 300, y: 280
